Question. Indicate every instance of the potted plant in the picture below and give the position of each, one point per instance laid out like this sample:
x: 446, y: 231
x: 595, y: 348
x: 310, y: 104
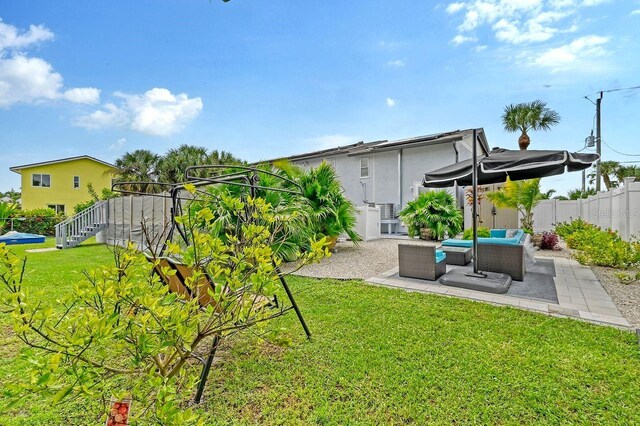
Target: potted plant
x: 435, y: 212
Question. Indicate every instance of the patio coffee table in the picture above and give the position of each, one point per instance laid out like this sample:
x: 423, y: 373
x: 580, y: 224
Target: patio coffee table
x: 457, y: 255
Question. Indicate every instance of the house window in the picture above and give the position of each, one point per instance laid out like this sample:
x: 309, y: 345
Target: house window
x: 58, y: 208
x: 76, y: 182
x: 364, y: 167
x: 42, y: 180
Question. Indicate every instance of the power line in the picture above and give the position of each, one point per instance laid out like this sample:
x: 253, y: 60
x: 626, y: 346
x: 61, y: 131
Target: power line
x: 612, y: 90
x: 618, y: 152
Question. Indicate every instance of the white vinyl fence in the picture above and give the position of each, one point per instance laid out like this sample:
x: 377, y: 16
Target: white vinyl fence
x: 618, y: 209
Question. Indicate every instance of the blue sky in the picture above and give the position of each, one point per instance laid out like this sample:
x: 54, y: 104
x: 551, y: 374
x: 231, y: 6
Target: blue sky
x: 271, y: 78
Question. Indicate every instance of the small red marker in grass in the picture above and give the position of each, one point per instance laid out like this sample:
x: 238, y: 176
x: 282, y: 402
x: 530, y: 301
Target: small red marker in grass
x: 119, y: 413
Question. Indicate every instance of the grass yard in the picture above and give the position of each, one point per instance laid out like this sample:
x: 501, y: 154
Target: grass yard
x: 384, y: 356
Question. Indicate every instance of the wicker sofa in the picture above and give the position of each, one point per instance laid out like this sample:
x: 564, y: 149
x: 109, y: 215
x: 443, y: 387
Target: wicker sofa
x: 503, y: 251
x: 421, y: 261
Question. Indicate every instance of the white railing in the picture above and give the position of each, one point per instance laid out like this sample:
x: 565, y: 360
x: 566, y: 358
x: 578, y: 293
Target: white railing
x: 83, y: 225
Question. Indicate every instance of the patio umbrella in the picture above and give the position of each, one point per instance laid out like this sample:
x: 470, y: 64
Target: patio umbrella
x: 501, y: 164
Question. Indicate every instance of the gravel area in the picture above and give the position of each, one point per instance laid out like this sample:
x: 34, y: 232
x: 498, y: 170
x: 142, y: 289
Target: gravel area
x: 368, y: 259
x: 625, y: 296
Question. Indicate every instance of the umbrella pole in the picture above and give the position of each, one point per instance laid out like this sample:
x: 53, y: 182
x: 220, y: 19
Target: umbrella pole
x: 474, y: 208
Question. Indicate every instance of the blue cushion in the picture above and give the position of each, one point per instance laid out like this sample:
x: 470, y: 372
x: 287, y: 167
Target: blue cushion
x: 498, y: 233
x: 452, y: 242
x: 502, y: 241
x: 440, y: 256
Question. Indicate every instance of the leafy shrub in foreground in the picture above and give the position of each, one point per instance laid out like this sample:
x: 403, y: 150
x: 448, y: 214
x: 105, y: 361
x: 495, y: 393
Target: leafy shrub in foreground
x: 122, y: 334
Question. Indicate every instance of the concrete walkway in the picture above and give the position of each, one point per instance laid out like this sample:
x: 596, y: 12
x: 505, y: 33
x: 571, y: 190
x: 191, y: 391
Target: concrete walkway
x: 580, y: 295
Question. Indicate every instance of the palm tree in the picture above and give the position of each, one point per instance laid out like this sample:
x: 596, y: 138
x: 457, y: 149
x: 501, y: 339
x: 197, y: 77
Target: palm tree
x: 528, y: 116
x: 173, y: 165
x: 607, y: 170
x: 522, y: 195
x: 627, y: 171
x: 138, y: 166
x: 175, y: 162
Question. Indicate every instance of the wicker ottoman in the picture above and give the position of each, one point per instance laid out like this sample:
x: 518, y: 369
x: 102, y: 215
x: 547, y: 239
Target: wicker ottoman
x: 457, y: 255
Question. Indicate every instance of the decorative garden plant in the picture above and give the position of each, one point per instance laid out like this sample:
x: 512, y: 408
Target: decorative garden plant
x: 435, y: 211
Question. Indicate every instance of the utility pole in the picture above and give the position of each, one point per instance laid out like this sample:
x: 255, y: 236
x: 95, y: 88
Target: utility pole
x: 598, y: 141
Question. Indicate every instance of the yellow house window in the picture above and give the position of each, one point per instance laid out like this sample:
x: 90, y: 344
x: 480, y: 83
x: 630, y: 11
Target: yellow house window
x: 59, y: 208
x: 76, y: 182
x: 42, y: 180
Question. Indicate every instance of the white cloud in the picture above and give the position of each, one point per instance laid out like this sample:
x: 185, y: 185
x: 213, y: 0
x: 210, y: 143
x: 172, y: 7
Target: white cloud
x: 635, y: 12
x: 25, y: 79
x: 397, y: 63
x: 331, y: 141
x: 156, y: 112
x: 578, y: 53
x: 534, y: 32
x: 518, y: 21
x: 481, y: 48
x: 459, y: 39
x: 594, y: 2
x: 454, y: 7
x: 84, y: 95
x: 117, y: 145
x: 391, y: 102
x: 11, y: 38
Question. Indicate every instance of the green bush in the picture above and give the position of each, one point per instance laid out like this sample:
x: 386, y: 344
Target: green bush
x: 80, y: 207
x: 482, y: 233
x: 6, y: 211
x: 433, y: 210
x: 599, y: 247
x: 565, y: 229
x: 37, y: 221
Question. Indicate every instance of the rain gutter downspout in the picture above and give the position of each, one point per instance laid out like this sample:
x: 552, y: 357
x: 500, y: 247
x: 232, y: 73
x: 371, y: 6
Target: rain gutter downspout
x: 400, y: 178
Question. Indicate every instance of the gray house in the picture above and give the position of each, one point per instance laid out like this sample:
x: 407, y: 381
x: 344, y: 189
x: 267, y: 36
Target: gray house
x: 389, y: 173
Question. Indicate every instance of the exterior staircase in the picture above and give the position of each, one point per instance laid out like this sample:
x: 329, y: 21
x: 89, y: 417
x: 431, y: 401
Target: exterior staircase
x: 86, y: 224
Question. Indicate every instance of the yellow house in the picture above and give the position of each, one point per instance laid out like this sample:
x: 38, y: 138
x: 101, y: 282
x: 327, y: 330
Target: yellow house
x: 61, y: 184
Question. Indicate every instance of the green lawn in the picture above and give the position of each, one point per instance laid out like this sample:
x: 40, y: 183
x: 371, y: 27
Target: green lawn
x: 384, y: 356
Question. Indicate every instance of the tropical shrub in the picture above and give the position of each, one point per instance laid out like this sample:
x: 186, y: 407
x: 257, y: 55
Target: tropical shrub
x: 121, y: 333
x: 330, y: 210
x: 549, y: 241
x: 565, y: 229
x: 433, y: 210
x: 599, y: 247
x: 483, y: 232
x: 37, y: 221
x: 6, y: 211
x: 521, y: 195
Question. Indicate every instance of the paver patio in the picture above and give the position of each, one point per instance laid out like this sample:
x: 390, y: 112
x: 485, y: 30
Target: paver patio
x: 580, y: 294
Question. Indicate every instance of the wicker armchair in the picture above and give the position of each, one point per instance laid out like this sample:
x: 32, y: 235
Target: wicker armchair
x: 508, y: 259
x: 419, y: 261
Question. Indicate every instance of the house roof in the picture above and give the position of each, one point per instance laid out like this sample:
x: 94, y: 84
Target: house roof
x: 360, y: 148
x: 17, y: 169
